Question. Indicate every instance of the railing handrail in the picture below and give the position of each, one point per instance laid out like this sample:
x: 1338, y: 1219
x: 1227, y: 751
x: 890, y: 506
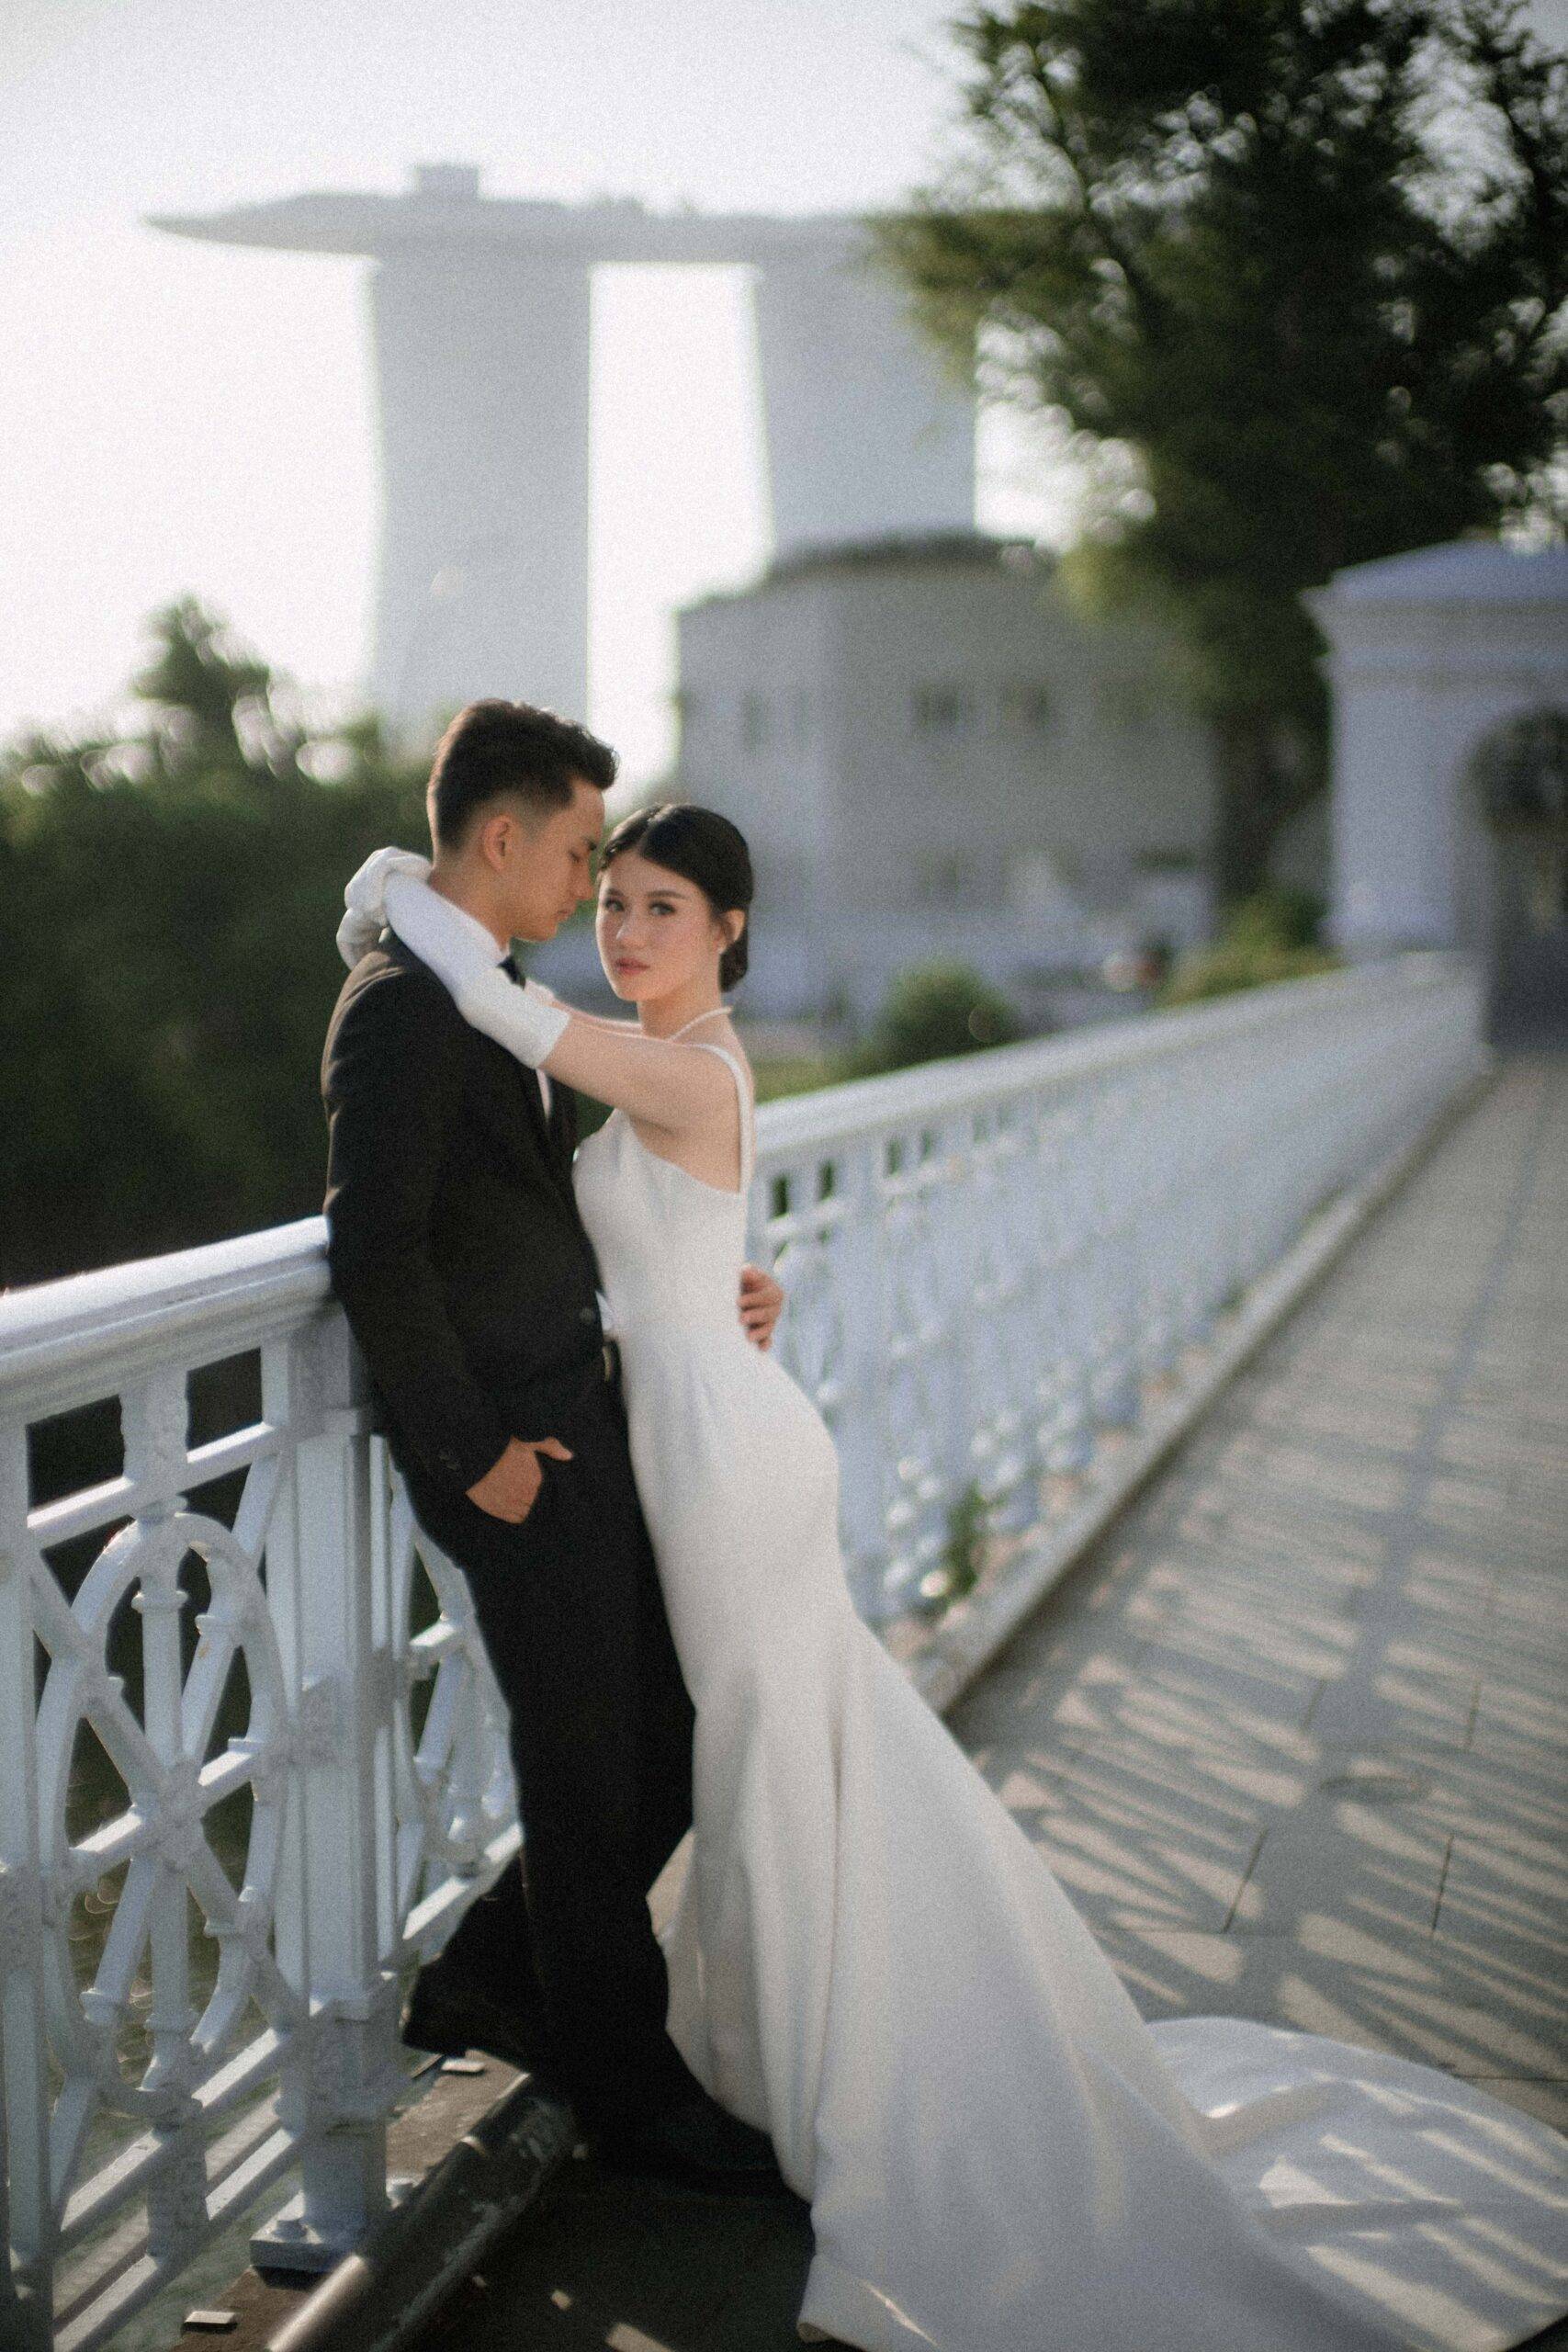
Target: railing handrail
x: 64, y: 1342
x: 863, y: 1104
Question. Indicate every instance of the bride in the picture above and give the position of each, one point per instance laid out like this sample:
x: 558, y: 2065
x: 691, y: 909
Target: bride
x: 867, y: 1959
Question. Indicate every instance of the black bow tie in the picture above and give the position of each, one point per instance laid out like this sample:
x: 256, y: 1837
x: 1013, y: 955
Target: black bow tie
x: 509, y: 965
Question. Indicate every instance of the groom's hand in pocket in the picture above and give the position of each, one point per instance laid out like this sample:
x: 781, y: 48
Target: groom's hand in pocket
x: 509, y: 1487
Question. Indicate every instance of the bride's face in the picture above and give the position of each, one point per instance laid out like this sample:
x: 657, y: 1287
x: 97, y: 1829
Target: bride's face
x: 657, y: 931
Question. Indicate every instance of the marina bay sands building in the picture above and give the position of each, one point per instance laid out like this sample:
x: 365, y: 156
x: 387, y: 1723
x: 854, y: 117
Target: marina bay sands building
x: 481, y: 323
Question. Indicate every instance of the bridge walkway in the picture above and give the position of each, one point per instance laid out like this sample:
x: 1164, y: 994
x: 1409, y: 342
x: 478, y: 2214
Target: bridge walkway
x: 1295, y: 1734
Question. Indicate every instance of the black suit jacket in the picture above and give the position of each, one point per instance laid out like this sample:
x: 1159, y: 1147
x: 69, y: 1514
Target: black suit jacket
x: 454, y: 1240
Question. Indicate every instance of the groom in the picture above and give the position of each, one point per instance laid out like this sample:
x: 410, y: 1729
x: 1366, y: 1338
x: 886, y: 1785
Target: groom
x: 470, y: 1283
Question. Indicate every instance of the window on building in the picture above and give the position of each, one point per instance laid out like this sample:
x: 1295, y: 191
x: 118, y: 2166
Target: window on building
x: 1028, y: 708
x: 1126, y: 702
x: 1040, y: 886
x: 942, y: 878
x: 942, y: 709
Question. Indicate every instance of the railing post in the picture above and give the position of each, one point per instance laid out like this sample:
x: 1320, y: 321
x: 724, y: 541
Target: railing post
x: 862, y: 1432
x: 339, y: 2087
x: 1007, y: 1351
x: 1065, y: 1439
x: 1118, y: 1394
x: 156, y: 1420
x: 26, y: 2206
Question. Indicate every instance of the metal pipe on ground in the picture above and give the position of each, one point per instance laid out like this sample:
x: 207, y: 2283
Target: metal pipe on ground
x: 378, y: 2297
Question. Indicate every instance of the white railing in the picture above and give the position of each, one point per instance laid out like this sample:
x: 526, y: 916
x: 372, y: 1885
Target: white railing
x: 987, y: 1260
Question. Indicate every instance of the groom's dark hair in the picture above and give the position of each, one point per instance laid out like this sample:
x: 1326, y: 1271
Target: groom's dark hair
x: 494, y: 748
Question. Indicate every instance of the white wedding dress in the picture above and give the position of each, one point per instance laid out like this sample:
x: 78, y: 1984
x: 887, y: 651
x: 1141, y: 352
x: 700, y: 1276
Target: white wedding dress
x: 869, y: 1960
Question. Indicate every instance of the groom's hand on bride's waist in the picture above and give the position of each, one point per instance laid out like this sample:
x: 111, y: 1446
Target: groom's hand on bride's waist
x: 509, y: 1487
x: 761, y: 1304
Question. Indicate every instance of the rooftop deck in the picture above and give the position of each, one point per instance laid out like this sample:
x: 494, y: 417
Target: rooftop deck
x: 1296, y: 1735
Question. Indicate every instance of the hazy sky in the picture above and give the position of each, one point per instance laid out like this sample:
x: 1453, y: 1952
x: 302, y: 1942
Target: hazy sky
x: 176, y: 417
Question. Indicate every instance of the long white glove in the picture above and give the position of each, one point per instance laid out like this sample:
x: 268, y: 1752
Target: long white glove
x: 526, y: 1020
x: 366, y: 899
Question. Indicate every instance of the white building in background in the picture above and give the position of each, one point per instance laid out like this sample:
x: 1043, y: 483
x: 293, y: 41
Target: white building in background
x: 1450, y: 675
x: 932, y: 754
x: 480, y: 316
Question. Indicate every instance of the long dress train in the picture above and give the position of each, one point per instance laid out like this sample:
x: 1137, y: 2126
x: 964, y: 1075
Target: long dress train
x: 869, y: 1960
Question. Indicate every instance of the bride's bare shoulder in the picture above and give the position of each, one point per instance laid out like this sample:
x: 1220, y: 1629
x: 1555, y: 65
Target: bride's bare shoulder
x: 722, y: 1035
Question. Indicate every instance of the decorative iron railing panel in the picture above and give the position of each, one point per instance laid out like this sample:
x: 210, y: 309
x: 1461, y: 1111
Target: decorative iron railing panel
x: 250, y: 1754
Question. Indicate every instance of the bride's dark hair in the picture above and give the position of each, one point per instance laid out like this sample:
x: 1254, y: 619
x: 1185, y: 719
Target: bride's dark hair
x: 702, y: 847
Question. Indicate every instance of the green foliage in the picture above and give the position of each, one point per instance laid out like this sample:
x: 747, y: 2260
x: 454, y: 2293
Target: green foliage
x: 963, y: 1554
x: 1222, y: 971
x: 779, y: 1075
x: 1272, y: 936
x: 168, y: 896
x: 1292, y: 280
x: 1279, y: 916
x: 934, y: 1011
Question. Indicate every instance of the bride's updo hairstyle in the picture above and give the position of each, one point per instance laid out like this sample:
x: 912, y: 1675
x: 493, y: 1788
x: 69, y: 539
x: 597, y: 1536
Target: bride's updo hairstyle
x: 702, y: 847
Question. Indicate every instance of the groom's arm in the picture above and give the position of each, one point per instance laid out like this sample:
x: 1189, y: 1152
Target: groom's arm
x: 390, y: 1076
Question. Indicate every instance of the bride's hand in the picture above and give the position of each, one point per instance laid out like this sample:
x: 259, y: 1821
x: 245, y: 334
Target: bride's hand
x: 366, y: 899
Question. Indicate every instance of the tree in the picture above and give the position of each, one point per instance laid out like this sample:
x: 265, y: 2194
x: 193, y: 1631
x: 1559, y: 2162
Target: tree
x: 168, y: 896
x: 211, y: 704
x: 934, y: 1011
x: 1293, y: 272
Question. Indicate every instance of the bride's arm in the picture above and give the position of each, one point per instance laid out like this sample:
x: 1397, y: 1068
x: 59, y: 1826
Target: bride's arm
x: 590, y: 1020
x: 670, y: 1086
x: 365, y: 901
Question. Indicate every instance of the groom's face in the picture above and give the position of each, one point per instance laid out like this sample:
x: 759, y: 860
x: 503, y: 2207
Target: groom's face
x: 549, y: 871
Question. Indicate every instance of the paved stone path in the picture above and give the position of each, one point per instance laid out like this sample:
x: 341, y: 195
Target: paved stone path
x: 1298, y: 1743
x: 1296, y: 1735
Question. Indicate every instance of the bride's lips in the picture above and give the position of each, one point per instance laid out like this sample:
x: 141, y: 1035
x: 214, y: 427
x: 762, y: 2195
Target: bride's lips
x: 628, y: 964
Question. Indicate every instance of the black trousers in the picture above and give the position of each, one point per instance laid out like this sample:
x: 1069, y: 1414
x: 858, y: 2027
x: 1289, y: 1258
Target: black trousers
x: 572, y: 1618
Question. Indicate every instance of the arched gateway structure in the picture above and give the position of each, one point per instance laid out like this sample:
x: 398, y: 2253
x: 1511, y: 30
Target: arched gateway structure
x: 481, y: 321
x: 1449, y: 670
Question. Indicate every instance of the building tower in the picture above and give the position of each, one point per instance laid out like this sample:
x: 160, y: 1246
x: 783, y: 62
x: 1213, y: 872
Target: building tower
x: 479, y: 310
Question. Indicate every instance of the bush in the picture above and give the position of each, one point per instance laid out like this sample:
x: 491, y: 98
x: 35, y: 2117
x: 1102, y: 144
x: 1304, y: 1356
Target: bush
x: 931, y: 1011
x: 1279, y: 916
x: 1272, y: 936
x: 1220, y: 971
